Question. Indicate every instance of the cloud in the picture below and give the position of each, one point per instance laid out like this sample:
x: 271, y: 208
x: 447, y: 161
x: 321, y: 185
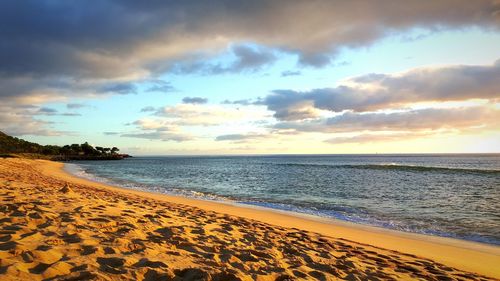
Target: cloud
x: 111, y: 133
x: 315, y: 59
x: 194, y: 100
x: 70, y: 114
x: 46, y: 110
x: 148, y: 109
x: 52, y: 112
x: 57, y: 50
x: 164, y: 136
x: 161, y: 86
x: 22, y: 121
x: 119, y: 88
x: 239, y: 102
x: 385, y: 137
x: 380, y: 91
x: 154, y: 129
x: 247, y: 59
x: 240, y: 137
x: 107, y: 40
x: 251, y: 58
x: 75, y: 105
x: 422, y: 119
x: 31, y: 126
x: 290, y: 105
x: 290, y: 73
x: 37, y: 89
x: 188, y: 114
x: 173, y: 122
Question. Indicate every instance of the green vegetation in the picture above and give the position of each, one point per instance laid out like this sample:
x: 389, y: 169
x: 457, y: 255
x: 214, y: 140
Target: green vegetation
x: 12, y: 145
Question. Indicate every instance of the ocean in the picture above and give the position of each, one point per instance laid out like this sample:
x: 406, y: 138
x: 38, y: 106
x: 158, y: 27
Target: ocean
x: 445, y: 195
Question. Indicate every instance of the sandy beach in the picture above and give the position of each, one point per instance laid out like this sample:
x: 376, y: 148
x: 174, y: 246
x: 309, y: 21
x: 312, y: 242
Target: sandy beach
x: 55, y: 226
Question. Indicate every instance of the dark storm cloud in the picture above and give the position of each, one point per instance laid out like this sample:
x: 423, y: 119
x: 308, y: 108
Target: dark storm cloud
x: 379, y: 91
x: 194, y: 100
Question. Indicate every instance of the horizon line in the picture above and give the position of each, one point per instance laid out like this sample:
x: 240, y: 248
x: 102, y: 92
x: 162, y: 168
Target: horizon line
x: 323, y: 154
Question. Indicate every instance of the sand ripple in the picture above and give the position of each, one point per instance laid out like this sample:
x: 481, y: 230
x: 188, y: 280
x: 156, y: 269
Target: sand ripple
x: 56, y: 230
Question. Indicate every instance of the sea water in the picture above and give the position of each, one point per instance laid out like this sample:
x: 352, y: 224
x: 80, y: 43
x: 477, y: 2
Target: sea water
x: 446, y: 195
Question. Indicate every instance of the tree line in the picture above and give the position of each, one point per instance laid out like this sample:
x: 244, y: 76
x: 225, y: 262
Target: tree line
x: 79, y: 149
x: 9, y: 144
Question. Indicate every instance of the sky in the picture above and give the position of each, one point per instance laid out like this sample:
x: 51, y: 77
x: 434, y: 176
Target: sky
x: 253, y: 77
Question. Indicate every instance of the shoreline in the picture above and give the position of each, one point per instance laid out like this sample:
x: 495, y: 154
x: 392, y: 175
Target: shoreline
x: 304, y: 215
x: 473, y: 256
x: 73, y: 169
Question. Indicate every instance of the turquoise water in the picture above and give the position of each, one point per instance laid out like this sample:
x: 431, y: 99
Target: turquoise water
x: 446, y: 195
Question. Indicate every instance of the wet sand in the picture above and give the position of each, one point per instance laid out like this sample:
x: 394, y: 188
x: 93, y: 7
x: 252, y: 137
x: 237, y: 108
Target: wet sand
x: 55, y: 226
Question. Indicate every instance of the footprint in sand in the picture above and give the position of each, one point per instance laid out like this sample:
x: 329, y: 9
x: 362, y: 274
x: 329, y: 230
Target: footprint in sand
x: 39, y: 268
x: 112, y: 265
x: 6, y: 246
x: 144, y: 262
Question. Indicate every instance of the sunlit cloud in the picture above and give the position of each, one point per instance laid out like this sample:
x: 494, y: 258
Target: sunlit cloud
x: 162, y: 68
x: 241, y: 137
x: 381, y: 91
x: 423, y: 119
x: 12, y: 117
x: 152, y: 129
x: 106, y: 41
x: 189, y: 114
x: 382, y: 137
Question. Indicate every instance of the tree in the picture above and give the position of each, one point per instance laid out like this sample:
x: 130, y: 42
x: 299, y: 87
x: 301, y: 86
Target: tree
x: 88, y: 149
x: 66, y: 150
x: 100, y: 149
x: 76, y: 148
x: 9, y: 144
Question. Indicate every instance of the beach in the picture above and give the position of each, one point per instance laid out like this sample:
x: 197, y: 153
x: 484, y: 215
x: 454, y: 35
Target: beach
x: 56, y: 226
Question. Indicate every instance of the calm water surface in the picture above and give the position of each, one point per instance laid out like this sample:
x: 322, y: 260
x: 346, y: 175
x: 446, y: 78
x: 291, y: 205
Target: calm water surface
x: 446, y: 195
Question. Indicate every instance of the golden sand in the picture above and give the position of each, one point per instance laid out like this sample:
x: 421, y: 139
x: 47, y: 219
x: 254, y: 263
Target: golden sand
x: 58, y: 227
